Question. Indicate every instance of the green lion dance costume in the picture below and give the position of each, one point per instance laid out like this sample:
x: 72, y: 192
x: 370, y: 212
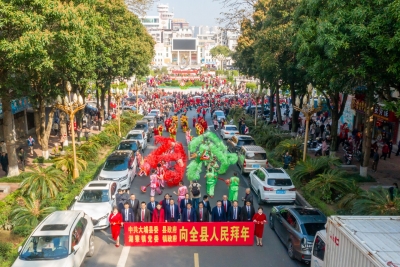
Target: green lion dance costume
x: 209, y: 150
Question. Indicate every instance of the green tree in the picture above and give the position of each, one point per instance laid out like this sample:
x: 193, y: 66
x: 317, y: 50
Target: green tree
x: 31, y: 212
x: 65, y: 163
x: 377, y: 202
x: 43, y: 182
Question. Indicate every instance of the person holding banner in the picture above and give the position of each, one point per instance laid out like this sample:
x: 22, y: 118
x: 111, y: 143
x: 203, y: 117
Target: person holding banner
x: 115, y: 220
x: 172, y: 212
x: 158, y: 214
x: 234, y: 212
x: 247, y: 212
x: 202, y: 213
x: 188, y: 214
x: 259, y: 219
x: 218, y: 214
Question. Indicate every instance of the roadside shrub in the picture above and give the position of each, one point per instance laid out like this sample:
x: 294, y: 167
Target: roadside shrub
x: 251, y: 86
x: 198, y: 83
x: 22, y: 230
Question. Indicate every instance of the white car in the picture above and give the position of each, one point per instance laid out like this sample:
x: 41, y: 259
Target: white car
x: 272, y: 185
x: 228, y: 131
x: 97, y: 199
x: 120, y: 166
x: 138, y: 135
x: 219, y: 114
x: 63, y: 238
x: 154, y: 112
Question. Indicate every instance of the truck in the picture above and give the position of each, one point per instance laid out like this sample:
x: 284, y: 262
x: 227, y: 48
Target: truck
x: 358, y: 241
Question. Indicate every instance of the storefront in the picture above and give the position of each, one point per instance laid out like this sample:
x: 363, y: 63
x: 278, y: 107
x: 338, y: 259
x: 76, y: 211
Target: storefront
x: 359, y: 106
x: 385, y: 124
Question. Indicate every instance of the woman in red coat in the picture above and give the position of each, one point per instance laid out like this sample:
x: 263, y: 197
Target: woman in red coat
x: 158, y: 214
x: 259, y: 219
x: 115, y: 225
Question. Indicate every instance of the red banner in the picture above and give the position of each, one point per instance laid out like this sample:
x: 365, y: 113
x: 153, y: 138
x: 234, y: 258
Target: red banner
x: 189, y: 234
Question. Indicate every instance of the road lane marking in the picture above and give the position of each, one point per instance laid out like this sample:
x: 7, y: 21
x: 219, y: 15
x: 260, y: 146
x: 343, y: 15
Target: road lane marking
x: 124, y: 256
x: 196, y: 260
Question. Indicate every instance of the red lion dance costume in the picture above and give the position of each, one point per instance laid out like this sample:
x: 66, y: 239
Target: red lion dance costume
x: 169, y: 151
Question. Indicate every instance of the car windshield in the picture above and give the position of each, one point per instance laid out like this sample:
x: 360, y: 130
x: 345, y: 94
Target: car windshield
x: 313, y: 228
x: 116, y: 165
x: 280, y: 182
x: 45, y: 248
x: 137, y: 136
x: 141, y: 127
x: 94, y: 196
x: 219, y: 113
x: 256, y: 156
x: 246, y: 142
x: 128, y: 146
x: 231, y: 128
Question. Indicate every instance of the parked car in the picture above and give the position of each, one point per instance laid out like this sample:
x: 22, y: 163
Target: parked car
x: 272, y: 185
x: 120, y: 166
x: 237, y: 141
x: 144, y: 126
x: 97, y: 199
x: 139, y: 136
x: 152, y: 120
x: 228, y: 131
x: 63, y: 238
x: 133, y: 145
x: 219, y: 114
x: 156, y: 113
x: 296, y: 227
x: 251, y: 158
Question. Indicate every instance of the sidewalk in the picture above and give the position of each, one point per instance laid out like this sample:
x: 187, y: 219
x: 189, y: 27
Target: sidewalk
x: 37, y: 152
x: 387, y: 172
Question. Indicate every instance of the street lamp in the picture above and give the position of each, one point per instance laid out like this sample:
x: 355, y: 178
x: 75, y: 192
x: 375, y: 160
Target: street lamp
x: 71, y: 106
x: 308, y: 110
x: 118, y: 94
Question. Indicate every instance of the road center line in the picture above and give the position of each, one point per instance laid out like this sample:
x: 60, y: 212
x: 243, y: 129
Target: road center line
x: 123, y: 257
x: 196, y: 260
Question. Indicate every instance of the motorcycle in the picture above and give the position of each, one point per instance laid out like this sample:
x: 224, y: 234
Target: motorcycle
x: 319, y: 150
x: 348, y: 155
x: 313, y: 144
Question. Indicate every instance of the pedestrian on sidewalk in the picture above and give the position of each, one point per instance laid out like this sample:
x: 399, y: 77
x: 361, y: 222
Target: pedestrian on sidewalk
x: 22, y: 158
x: 30, y: 142
x: 3, y: 146
x: 385, y: 151
x: 376, y: 160
x: 4, y: 162
x: 390, y: 144
x: 287, y: 159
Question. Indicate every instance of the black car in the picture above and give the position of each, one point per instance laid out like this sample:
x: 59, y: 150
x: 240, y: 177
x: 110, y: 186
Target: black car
x: 296, y: 227
x: 129, y: 145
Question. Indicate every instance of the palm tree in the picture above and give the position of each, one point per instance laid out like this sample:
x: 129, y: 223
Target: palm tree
x: 307, y: 170
x: 44, y: 182
x: 31, y: 212
x: 347, y: 201
x: 377, y: 202
x: 291, y: 145
x: 328, y: 183
x: 88, y: 150
x: 66, y: 163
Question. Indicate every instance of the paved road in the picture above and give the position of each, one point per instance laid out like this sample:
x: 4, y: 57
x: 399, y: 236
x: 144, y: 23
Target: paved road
x: 272, y: 254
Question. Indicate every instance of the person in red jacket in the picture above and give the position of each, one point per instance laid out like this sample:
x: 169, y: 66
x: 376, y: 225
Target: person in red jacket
x: 385, y: 151
x: 158, y: 214
x: 194, y: 121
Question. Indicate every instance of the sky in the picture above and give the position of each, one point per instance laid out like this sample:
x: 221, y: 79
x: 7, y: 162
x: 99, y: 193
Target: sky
x: 196, y: 12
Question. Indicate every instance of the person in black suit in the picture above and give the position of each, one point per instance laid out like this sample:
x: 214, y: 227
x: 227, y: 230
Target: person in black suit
x: 127, y: 213
x: 185, y: 201
x: 207, y: 204
x: 234, y: 212
x: 248, y: 197
x: 247, y: 212
x: 165, y: 202
x: 172, y: 212
x: 188, y: 214
x: 226, y: 204
x: 218, y: 214
x: 143, y: 214
x: 151, y: 206
x: 120, y: 199
x: 134, y: 203
x: 202, y: 214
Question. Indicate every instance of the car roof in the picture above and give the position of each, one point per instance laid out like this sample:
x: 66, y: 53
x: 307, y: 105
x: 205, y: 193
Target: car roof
x: 117, y: 154
x: 254, y: 148
x: 218, y: 110
x: 230, y: 125
x: 142, y: 121
x: 128, y: 141
x: 307, y: 214
x: 104, y: 184
x: 62, y: 217
x: 135, y: 132
x: 275, y: 173
x: 244, y: 137
x: 154, y: 110
x: 149, y: 117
